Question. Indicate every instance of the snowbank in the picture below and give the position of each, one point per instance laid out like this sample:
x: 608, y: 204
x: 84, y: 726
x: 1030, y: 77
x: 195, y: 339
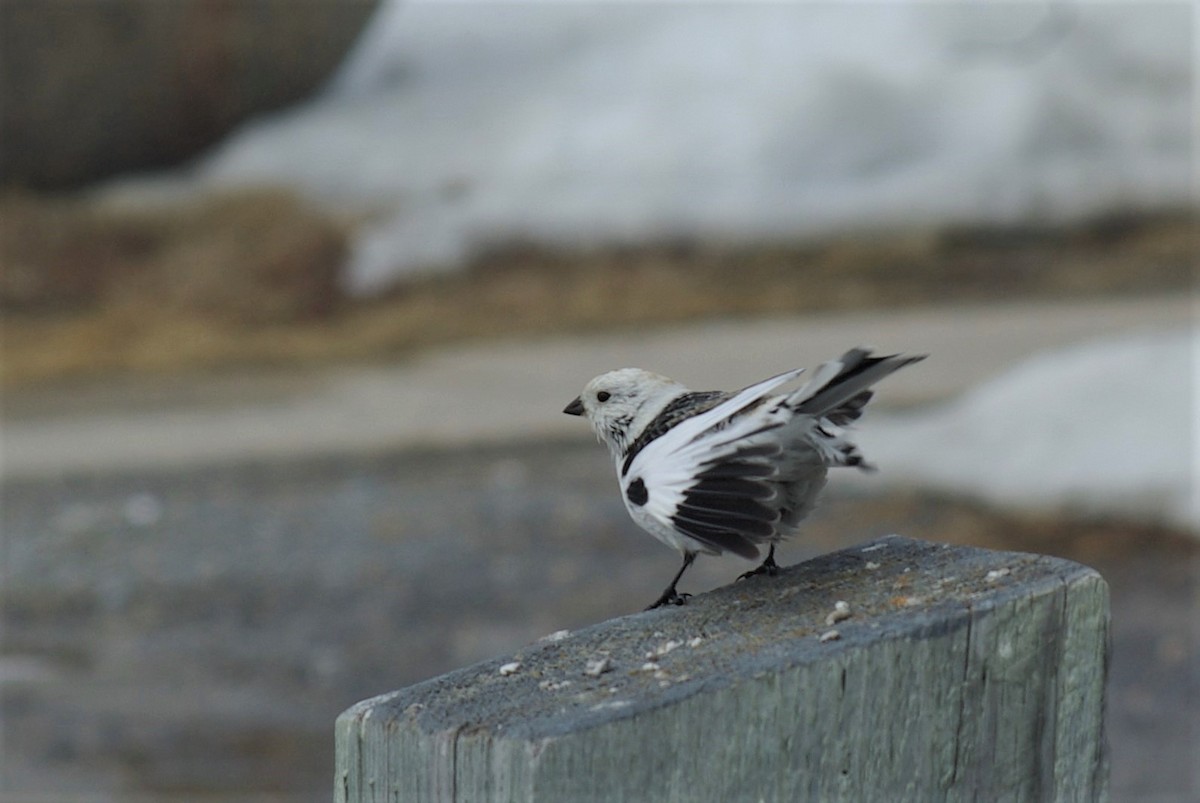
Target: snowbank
x: 455, y: 125
x: 1107, y: 428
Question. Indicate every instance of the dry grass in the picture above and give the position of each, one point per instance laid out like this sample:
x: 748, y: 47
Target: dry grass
x: 249, y: 280
x: 1099, y: 541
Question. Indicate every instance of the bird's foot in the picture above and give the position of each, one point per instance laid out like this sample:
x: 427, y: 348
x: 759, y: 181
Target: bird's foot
x: 768, y: 567
x: 669, y: 597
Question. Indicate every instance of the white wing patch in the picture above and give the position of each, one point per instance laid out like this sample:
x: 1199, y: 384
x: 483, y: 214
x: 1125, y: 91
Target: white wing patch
x: 671, y: 465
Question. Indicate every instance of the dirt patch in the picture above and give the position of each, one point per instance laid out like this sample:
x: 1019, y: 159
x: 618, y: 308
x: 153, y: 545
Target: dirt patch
x: 250, y: 279
x: 254, y: 257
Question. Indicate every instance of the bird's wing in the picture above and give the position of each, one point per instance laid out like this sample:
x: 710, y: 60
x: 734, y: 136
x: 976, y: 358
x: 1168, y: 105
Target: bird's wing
x: 708, y: 477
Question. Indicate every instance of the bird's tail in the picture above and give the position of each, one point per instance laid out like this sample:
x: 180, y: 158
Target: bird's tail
x: 840, y: 389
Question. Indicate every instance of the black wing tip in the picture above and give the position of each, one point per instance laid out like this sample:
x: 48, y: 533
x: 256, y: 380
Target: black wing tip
x: 856, y: 371
x: 867, y: 353
x: 718, y: 540
x: 860, y: 463
x: 906, y: 359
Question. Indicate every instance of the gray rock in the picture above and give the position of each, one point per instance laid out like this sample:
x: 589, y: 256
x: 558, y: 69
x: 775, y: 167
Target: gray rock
x: 95, y: 89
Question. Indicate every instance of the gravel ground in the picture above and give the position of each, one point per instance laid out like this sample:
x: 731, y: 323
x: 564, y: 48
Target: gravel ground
x: 181, y: 625
x: 189, y: 632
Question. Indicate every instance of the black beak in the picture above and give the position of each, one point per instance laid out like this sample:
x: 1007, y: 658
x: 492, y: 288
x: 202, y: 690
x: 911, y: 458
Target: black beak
x: 575, y: 407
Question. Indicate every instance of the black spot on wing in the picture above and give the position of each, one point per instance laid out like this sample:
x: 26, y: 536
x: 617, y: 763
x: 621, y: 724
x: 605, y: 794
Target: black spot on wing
x: 636, y: 492
x: 680, y: 409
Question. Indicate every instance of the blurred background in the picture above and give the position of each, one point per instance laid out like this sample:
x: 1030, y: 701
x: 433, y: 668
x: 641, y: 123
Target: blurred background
x: 293, y: 295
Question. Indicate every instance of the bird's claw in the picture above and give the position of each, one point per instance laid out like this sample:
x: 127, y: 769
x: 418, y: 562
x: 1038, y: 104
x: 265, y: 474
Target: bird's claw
x: 669, y: 597
x: 769, y: 567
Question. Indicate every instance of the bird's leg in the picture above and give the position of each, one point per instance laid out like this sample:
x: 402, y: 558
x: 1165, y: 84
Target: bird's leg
x: 671, y: 596
x: 768, y: 567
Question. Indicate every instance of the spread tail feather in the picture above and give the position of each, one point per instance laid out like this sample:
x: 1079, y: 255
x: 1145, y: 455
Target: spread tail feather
x: 839, y: 389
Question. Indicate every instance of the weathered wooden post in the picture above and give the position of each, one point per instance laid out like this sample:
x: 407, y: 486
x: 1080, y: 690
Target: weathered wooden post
x: 894, y: 671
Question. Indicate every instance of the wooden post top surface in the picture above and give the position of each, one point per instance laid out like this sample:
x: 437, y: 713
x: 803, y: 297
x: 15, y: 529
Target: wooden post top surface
x: 892, y: 588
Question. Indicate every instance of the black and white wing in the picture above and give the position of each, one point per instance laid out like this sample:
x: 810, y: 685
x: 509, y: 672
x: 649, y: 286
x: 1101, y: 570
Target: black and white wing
x: 708, y: 476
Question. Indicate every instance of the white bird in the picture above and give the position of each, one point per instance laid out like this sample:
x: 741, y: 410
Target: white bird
x: 712, y: 471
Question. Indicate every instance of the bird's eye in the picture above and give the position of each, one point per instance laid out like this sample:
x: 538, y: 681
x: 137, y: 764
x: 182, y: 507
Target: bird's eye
x: 603, y: 396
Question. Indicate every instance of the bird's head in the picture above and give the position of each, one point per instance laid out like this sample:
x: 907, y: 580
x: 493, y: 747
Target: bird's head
x: 619, y: 404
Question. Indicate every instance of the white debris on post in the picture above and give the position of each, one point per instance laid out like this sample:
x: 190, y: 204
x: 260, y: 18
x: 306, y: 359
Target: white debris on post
x: 953, y: 674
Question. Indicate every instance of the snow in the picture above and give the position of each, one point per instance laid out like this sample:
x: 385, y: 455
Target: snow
x: 455, y: 126
x: 1106, y: 428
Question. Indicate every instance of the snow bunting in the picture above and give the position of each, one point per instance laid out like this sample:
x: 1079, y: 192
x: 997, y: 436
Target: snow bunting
x: 711, y: 471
